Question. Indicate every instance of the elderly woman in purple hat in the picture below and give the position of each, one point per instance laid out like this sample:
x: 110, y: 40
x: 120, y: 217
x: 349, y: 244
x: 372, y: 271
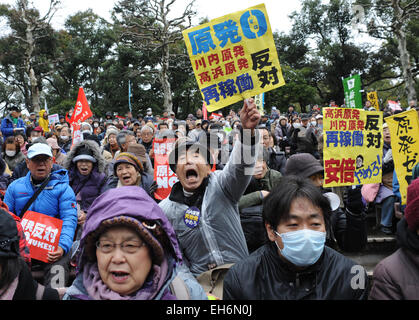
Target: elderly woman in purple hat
x: 129, y: 251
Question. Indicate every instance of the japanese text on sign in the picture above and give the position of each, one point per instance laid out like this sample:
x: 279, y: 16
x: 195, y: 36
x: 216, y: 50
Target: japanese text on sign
x: 234, y: 57
x: 42, y: 233
x: 163, y: 175
x: 353, y: 144
x: 404, y: 131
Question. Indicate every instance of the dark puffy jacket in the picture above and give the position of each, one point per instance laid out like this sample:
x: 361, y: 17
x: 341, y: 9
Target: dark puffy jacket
x: 349, y: 230
x: 86, y: 188
x: 29, y: 289
x: 397, y: 276
x: 277, y: 160
x: 65, y: 145
x: 265, y: 276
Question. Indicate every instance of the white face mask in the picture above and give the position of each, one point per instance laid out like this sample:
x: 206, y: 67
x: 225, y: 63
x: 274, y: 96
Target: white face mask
x: 296, y: 125
x: 95, y: 125
x: 10, y: 153
x: 313, y: 123
x: 64, y: 137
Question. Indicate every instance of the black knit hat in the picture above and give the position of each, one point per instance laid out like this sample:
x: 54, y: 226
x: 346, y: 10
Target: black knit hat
x: 9, y: 239
x: 302, y: 165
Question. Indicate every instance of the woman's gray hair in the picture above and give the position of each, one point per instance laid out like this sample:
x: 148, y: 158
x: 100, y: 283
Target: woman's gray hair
x: 121, y: 137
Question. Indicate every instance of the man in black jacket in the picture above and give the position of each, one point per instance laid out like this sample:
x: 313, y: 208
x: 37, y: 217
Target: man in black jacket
x: 295, y: 264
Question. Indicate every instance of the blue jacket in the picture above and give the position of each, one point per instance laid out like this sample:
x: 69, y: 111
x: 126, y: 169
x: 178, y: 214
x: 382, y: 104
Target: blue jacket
x: 56, y: 200
x: 7, y: 126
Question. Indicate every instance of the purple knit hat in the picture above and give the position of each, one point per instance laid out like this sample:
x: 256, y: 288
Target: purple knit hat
x: 129, y: 206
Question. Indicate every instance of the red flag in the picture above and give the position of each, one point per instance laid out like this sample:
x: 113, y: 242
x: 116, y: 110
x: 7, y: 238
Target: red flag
x: 204, y: 111
x: 81, y: 110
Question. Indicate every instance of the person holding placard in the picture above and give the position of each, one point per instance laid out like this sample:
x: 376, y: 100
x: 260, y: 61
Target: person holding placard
x: 16, y: 281
x: 55, y: 199
x: 202, y: 206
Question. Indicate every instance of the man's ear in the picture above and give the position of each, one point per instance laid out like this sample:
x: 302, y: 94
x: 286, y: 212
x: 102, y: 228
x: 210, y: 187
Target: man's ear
x: 270, y: 232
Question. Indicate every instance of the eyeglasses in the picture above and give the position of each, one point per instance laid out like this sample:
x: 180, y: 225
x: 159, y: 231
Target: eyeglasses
x: 128, y: 246
x: 41, y: 160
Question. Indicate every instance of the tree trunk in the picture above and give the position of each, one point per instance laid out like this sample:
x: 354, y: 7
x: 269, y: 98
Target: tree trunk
x: 404, y: 54
x: 30, y: 48
x: 164, y: 80
x: 35, y: 97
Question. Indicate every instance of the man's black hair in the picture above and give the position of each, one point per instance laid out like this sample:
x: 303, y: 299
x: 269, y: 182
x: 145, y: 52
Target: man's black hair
x: 277, y: 205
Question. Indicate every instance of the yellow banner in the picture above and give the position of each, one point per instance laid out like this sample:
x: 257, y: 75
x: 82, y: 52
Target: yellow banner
x: 234, y: 57
x: 404, y: 132
x: 373, y: 98
x: 352, y: 146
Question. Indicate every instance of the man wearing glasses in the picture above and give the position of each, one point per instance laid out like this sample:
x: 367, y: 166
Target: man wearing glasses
x: 56, y: 199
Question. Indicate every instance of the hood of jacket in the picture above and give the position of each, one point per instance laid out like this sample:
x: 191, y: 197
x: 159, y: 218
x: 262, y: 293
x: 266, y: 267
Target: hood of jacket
x: 130, y: 201
x: 91, y: 145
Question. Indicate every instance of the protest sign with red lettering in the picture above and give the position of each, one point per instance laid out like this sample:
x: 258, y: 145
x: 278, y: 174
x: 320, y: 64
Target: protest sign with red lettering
x: 352, y: 147
x: 77, y: 136
x: 163, y: 175
x: 42, y: 233
x: 216, y: 116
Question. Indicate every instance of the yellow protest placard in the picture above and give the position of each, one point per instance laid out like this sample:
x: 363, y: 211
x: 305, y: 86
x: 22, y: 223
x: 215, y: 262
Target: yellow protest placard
x: 352, y: 146
x: 234, y: 57
x: 373, y: 98
x: 404, y: 132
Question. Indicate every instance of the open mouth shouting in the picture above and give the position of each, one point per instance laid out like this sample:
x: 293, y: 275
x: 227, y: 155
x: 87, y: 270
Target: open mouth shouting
x: 191, y: 175
x: 119, y: 276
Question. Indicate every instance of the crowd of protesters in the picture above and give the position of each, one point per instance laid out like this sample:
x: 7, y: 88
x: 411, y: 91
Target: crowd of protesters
x: 248, y: 217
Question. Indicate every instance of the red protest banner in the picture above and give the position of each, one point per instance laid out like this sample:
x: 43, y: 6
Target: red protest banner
x: 42, y: 233
x: 81, y: 110
x: 216, y: 116
x: 204, y: 111
x: 163, y: 175
x: 76, y: 134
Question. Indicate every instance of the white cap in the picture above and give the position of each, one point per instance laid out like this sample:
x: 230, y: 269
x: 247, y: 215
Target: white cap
x: 319, y: 116
x: 38, y: 149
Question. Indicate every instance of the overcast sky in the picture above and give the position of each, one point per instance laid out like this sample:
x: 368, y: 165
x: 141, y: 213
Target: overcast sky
x: 278, y: 11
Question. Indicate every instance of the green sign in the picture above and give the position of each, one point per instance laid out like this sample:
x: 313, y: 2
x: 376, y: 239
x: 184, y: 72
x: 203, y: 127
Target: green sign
x: 352, y: 89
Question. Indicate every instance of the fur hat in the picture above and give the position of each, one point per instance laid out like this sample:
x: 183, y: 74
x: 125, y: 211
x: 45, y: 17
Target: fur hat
x: 411, y: 212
